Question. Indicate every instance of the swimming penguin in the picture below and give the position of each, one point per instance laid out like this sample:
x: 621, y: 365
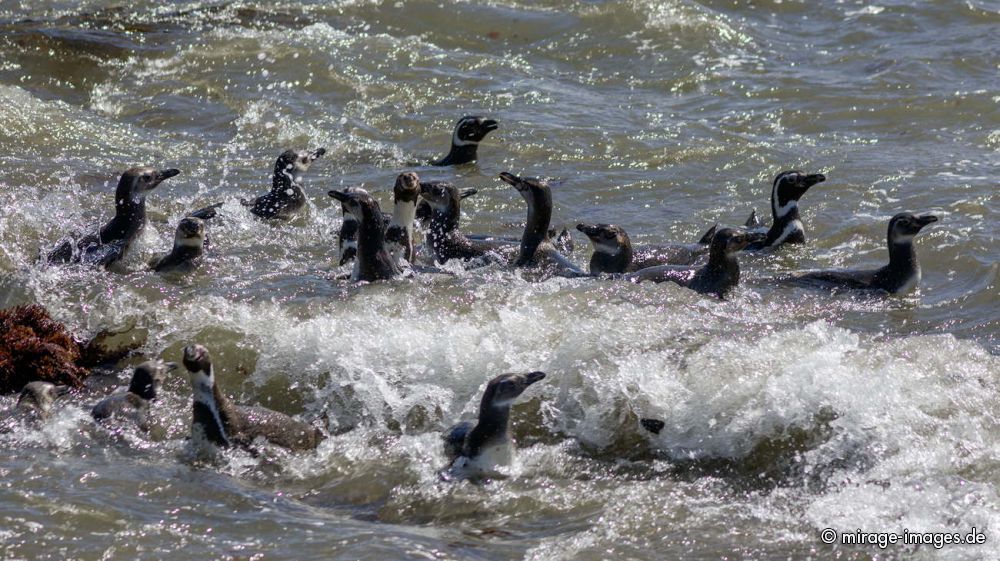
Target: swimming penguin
x: 286, y: 197
x: 189, y: 244
x: 443, y: 236
x: 469, y: 132
x: 133, y: 405
x: 113, y: 241
x: 372, y: 261
x: 347, y: 237
x: 720, y: 275
x: 33, y: 405
x: 614, y: 253
x: 476, y: 449
x: 217, y: 421
x: 535, y: 241
x: 399, y: 233
x: 786, y: 225
x: 902, y: 274
x: 423, y: 215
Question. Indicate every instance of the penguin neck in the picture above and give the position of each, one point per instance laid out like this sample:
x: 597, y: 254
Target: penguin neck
x: 462, y: 152
x: 444, y: 221
x: 493, y: 423
x: 722, y: 263
x: 903, y: 257
x: 605, y: 261
x: 144, y: 389
x: 371, y: 236
x: 284, y: 181
x: 536, y: 229
x: 403, y: 214
x: 130, y: 216
x: 212, y: 411
x: 187, y: 249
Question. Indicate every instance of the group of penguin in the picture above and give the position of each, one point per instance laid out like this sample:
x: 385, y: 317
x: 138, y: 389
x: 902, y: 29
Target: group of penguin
x: 382, y: 246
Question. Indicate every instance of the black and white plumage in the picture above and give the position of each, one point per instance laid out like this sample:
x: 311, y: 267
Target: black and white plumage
x: 372, y: 261
x: 115, y: 239
x: 536, y: 245
x: 443, y: 236
x: 786, y: 226
x: 614, y: 252
x: 479, y: 448
x: 719, y: 276
x: 399, y: 232
x: 423, y: 215
x: 216, y: 421
x: 189, y: 245
x: 899, y: 277
x: 133, y: 404
x: 34, y: 405
x: 469, y: 132
x: 286, y: 197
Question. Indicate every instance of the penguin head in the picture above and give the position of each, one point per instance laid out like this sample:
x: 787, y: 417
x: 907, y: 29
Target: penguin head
x: 359, y: 203
x: 788, y: 188
x: 136, y: 182
x: 40, y: 396
x: 472, y: 129
x: 440, y: 195
x: 197, y: 360
x: 407, y: 188
x: 505, y: 388
x: 729, y: 240
x: 294, y: 163
x: 190, y: 232
x: 905, y: 225
x: 607, y: 238
x: 148, y: 377
x: 531, y: 188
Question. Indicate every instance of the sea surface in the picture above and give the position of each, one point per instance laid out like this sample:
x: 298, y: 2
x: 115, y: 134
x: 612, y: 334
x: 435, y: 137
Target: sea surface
x: 788, y: 410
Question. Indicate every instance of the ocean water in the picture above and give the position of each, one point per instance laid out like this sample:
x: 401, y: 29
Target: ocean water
x: 787, y: 411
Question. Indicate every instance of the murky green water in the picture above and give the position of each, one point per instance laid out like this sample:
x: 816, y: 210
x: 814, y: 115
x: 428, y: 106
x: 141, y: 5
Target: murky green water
x: 787, y: 411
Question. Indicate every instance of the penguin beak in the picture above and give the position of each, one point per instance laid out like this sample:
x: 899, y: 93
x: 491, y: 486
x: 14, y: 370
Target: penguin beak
x: 166, y: 174
x: 513, y: 180
x: 314, y: 155
x: 590, y: 231
x: 490, y: 125
x: 810, y: 180
x: 925, y: 219
x: 340, y: 196
x: 532, y: 377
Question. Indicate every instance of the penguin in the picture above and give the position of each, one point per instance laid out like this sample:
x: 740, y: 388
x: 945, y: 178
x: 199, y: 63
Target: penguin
x: 614, y: 253
x: 216, y: 421
x: 535, y: 241
x: 399, y: 233
x: 347, y: 237
x: 719, y: 276
x: 34, y: 405
x: 469, y: 132
x: 423, y: 215
x: 372, y: 261
x: 786, y: 225
x: 286, y: 197
x: 189, y: 245
x: 899, y: 277
x: 114, y: 240
x: 477, y: 449
x: 133, y: 405
x: 443, y: 236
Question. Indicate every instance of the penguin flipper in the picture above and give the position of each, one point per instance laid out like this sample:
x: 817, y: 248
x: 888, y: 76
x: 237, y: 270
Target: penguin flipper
x: 466, y: 193
x: 706, y: 238
x: 663, y: 273
x: 207, y: 212
x: 454, y: 438
x: 652, y: 425
x: 752, y: 221
x: 103, y: 255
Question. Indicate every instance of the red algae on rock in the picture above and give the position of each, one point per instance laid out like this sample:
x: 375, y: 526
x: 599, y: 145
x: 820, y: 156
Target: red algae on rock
x: 33, y: 347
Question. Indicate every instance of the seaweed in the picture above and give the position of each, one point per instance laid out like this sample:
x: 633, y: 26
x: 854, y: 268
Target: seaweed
x: 34, y: 347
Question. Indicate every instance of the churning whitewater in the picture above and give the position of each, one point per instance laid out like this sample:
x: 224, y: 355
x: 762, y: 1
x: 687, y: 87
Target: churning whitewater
x: 793, y: 406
